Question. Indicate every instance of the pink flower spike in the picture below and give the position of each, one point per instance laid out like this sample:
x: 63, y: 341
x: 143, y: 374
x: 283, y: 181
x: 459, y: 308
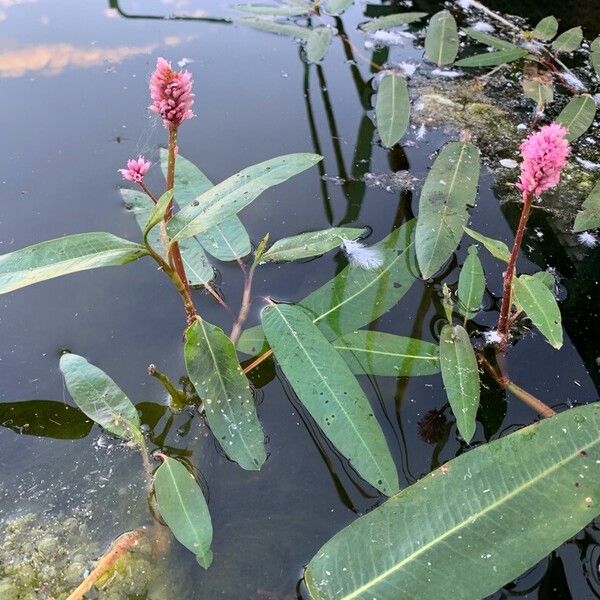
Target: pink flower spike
x: 136, y: 169
x: 171, y: 93
x: 544, y: 155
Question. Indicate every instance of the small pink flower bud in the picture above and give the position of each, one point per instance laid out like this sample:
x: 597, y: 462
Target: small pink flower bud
x: 544, y: 155
x: 171, y: 93
x: 136, y: 169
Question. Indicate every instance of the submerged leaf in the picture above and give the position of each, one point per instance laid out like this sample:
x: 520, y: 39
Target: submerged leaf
x: 329, y: 391
x: 473, y: 525
x: 215, y: 372
x: 280, y: 10
x: 450, y: 186
x: 99, y: 397
x: 461, y: 377
x: 392, y: 108
x: 589, y: 215
x: 535, y: 298
x: 577, y: 115
x: 318, y: 43
x: 63, y: 256
x: 312, y: 243
x: 183, y: 508
x: 230, y: 196
x: 441, y: 41
x: 385, y: 354
x: 294, y: 31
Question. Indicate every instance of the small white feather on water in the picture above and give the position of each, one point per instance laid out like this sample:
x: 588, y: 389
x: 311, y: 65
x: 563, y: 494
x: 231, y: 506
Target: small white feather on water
x: 364, y: 257
x: 587, y: 239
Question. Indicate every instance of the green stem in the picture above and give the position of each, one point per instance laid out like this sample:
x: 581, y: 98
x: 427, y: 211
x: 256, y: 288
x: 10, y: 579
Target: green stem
x: 178, y: 399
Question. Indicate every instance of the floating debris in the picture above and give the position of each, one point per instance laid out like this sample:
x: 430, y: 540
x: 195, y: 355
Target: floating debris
x: 509, y: 163
x: 391, y: 182
x: 587, y: 239
x: 364, y: 257
x: 483, y: 26
x: 446, y: 73
x: 588, y: 165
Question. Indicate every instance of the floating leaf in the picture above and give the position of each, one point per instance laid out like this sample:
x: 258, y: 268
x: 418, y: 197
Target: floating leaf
x: 390, y: 21
x: 329, y: 391
x: 589, y: 216
x: 490, y: 40
x: 577, y: 115
x: 441, y: 41
x: 541, y: 93
x: 182, y: 506
x: 533, y: 296
x: 274, y: 27
x: 546, y: 29
x: 450, y: 186
x: 595, y: 45
x: 227, y: 241
x: 473, y: 525
x: 45, y: 418
x: 230, y: 196
x: 65, y: 255
x: 461, y: 377
x: 197, y: 267
x: 595, y: 58
x: 312, y: 243
x: 318, y: 43
x: 496, y: 248
x: 491, y: 59
x: 356, y: 297
x: 215, y: 372
x: 276, y: 10
x: 471, y: 285
x: 99, y: 397
x: 385, y: 354
x: 337, y: 7
x: 568, y: 41
x: 392, y: 108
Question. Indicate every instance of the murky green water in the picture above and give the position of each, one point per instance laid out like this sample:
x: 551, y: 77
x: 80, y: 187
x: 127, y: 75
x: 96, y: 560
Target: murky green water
x: 73, y: 106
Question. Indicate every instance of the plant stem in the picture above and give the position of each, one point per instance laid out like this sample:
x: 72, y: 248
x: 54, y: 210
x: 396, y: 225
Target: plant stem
x: 236, y: 330
x: 503, y: 319
x: 174, y: 254
x: 178, y: 399
x: 260, y: 359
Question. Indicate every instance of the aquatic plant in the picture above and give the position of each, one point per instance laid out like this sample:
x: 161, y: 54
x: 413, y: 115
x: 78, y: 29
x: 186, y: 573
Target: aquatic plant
x: 480, y: 512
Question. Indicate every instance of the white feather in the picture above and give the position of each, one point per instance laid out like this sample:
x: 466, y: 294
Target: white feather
x: 362, y: 256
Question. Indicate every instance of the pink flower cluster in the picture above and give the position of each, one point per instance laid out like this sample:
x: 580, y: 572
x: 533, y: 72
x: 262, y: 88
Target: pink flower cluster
x: 171, y: 93
x: 136, y: 169
x: 544, y: 155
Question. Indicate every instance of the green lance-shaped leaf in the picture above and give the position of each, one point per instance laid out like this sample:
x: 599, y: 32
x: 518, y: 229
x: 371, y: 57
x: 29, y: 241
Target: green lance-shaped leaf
x: 197, y: 267
x: 540, y: 93
x: 157, y: 214
x: 490, y: 40
x: 471, y: 285
x: 183, y: 508
x: 568, y: 41
x: 215, y: 372
x: 280, y: 10
x: 336, y: 7
x: 461, y: 377
x: 546, y: 29
x: 491, y: 59
x: 312, y: 243
x: 532, y: 296
x: 595, y: 59
x: 589, y: 215
x: 330, y: 393
x: 595, y: 45
x: 441, y: 41
x: 230, y: 196
x: 65, y: 255
x: 99, y: 397
x: 356, y: 297
x: 318, y: 43
x: 385, y: 354
x: 496, y: 248
x: 227, y: 241
x: 473, y: 525
x: 450, y: 186
x: 577, y: 115
x: 293, y: 31
x: 392, y: 108
x: 389, y: 21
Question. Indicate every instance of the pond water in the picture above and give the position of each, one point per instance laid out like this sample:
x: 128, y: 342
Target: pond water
x: 74, y: 81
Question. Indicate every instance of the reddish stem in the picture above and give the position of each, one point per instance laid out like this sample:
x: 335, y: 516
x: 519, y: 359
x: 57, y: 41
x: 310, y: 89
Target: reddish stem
x: 503, y: 320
